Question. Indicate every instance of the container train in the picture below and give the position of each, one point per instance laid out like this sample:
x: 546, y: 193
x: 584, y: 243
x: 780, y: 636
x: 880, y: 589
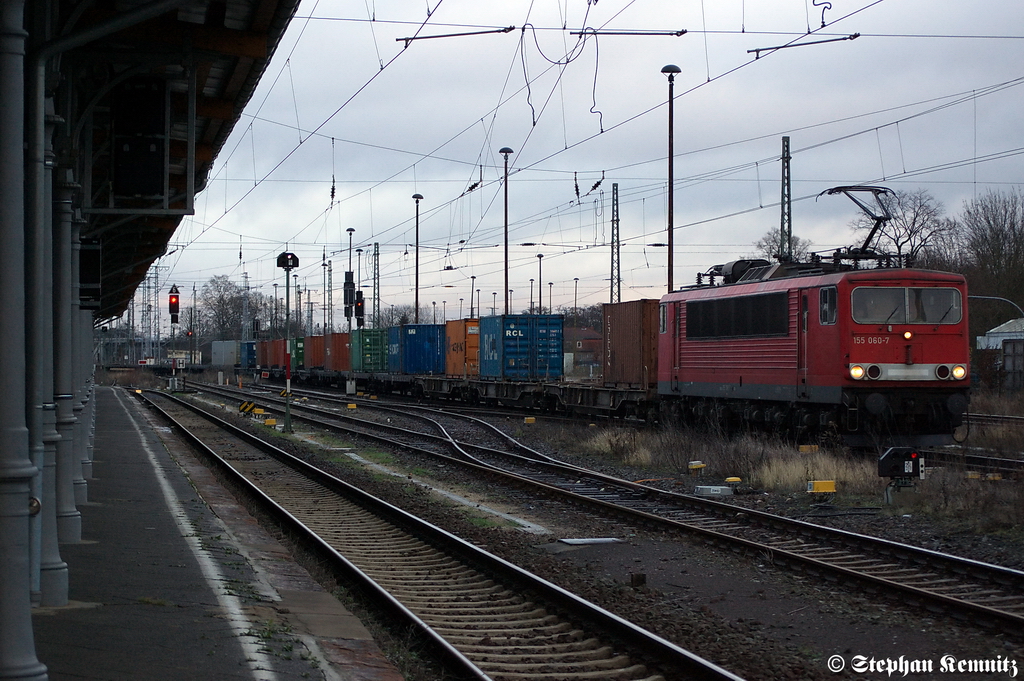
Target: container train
x: 863, y: 356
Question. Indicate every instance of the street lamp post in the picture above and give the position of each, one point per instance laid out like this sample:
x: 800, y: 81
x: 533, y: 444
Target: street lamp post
x: 531, y: 296
x: 575, y: 302
x: 472, y: 286
x: 540, y: 279
x: 298, y: 306
x: 416, y: 285
x: 287, y: 262
x: 494, y: 303
x: 551, y: 306
x: 670, y: 70
x: 505, y: 151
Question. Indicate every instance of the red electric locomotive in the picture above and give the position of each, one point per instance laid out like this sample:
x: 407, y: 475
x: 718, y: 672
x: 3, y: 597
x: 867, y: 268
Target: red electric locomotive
x: 875, y: 356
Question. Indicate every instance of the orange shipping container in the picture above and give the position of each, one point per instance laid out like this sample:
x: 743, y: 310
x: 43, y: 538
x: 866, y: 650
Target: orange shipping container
x: 277, y: 352
x: 462, y: 357
x: 631, y: 344
x: 314, y: 352
x: 263, y: 353
x: 339, y: 354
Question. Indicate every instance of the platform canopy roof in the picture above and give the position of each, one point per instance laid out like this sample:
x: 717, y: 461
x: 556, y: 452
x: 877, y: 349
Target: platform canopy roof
x: 146, y: 79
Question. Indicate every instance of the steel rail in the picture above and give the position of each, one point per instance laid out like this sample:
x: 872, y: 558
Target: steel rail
x: 918, y: 556
x: 657, y: 648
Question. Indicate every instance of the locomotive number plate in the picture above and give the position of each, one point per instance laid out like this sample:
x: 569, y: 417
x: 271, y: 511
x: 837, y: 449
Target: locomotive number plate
x: 871, y: 340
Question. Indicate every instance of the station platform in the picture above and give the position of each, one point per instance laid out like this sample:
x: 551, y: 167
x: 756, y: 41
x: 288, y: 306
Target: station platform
x: 174, y: 580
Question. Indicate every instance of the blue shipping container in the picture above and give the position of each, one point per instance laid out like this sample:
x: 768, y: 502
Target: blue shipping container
x: 521, y: 347
x: 395, y: 350
x: 422, y: 348
x: 248, y: 354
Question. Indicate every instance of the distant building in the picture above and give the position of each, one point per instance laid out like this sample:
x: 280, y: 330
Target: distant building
x: 993, y: 339
x: 1007, y: 342
x: 586, y: 346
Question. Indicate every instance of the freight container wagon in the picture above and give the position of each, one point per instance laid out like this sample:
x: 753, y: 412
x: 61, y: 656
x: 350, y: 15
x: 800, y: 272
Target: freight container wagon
x: 369, y: 350
x: 521, y: 347
x: 394, y: 350
x: 314, y: 352
x: 298, y: 349
x: 224, y: 353
x: 263, y: 353
x: 247, y: 359
x: 338, y: 356
x: 277, y: 352
x: 462, y: 355
x: 422, y: 349
x: 631, y: 344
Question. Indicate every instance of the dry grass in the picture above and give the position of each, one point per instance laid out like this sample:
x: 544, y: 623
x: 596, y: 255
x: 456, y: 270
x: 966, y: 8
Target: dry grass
x: 779, y: 468
x: 760, y: 461
x: 986, y: 505
x: 997, y: 402
x: 140, y: 378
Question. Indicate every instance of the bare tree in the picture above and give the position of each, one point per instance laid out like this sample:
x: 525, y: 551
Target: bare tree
x: 222, y: 304
x: 917, y: 220
x: 767, y: 247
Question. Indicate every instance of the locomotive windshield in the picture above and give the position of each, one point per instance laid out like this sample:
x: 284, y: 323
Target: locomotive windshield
x: 883, y: 305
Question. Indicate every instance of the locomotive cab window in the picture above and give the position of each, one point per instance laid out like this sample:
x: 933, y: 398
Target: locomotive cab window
x: 662, y: 318
x: 827, y: 301
x: 891, y: 305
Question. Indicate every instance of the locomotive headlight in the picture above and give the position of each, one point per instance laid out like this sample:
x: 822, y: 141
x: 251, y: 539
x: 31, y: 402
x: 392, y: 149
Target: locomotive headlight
x: 908, y: 334
x: 959, y: 372
x: 856, y: 372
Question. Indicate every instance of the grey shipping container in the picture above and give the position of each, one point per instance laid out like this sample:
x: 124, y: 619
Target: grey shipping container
x: 224, y: 353
x: 631, y: 344
x: 521, y: 347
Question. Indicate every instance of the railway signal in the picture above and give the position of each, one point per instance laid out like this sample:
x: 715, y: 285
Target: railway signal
x: 173, y: 301
x: 901, y: 465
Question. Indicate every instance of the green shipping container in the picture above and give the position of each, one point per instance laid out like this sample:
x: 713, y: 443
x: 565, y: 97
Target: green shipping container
x: 369, y: 350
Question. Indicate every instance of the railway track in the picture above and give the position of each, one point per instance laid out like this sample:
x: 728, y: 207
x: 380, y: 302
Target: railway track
x: 485, y: 618
x: 988, y: 594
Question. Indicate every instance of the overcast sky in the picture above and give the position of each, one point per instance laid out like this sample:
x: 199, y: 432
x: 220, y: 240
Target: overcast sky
x: 928, y: 96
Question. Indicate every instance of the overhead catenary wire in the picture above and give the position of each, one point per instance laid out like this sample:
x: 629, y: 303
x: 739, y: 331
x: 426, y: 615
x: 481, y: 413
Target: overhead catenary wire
x: 524, y: 168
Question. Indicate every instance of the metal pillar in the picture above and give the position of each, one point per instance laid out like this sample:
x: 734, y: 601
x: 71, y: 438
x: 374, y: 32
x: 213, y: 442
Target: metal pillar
x: 376, y: 285
x: 78, y: 368
x: 786, y: 231
x: 671, y: 70
x: 416, y: 285
x: 50, y: 575
x: 69, y: 520
x: 17, y: 646
x: 505, y: 151
x: 616, y: 295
